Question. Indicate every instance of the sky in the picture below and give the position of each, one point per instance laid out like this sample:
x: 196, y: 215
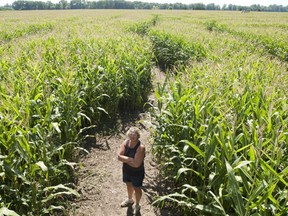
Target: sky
x: 217, y: 2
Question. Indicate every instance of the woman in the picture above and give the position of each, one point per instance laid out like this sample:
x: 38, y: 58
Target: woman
x: 132, y: 153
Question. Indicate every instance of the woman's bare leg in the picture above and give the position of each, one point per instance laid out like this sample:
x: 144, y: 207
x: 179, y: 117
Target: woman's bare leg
x: 138, y: 195
x: 130, y: 189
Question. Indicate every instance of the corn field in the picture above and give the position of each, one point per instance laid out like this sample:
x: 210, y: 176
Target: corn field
x: 219, y: 125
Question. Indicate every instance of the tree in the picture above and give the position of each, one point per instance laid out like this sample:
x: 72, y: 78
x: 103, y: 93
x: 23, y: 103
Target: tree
x: 123, y: 4
x: 212, y: 6
x: 199, y: 6
x: 77, y: 4
x: 63, y: 4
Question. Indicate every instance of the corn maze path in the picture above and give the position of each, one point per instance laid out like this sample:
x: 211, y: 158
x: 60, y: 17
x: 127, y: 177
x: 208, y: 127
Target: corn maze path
x: 100, y: 176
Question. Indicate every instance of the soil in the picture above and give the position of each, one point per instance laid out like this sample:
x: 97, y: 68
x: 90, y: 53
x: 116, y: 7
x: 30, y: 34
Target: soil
x: 100, y: 175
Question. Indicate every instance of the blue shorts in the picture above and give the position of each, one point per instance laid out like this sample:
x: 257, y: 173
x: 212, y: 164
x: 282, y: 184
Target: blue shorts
x: 136, y: 181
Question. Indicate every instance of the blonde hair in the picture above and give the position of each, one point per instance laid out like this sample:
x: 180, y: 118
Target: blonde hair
x: 133, y: 130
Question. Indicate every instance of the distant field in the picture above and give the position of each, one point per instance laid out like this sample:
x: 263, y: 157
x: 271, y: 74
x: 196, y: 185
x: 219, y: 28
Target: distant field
x: 220, y: 130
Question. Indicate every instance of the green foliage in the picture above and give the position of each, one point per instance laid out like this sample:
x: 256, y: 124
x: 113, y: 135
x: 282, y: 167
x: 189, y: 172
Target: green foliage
x: 171, y: 51
x: 214, y: 26
x: 223, y: 152
x: 52, y: 92
x: 275, y: 47
x: 31, y: 29
x: 220, y: 129
x: 140, y: 28
x: 3, y: 8
x: 143, y: 28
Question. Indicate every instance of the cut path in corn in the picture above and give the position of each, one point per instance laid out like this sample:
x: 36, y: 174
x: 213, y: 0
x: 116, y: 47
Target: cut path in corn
x: 100, y: 174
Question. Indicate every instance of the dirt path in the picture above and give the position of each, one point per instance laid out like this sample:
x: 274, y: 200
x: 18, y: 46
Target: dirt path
x: 100, y: 177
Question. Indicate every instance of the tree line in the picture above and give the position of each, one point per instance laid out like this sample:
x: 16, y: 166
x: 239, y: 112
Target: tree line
x: 122, y: 4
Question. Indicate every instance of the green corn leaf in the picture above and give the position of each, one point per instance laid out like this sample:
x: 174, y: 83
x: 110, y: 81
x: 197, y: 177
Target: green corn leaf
x: 55, y: 125
x: 182, y: 170
x: 5, y: 211
x: 235, y: 191
x: 64, y: 191
x: 241, y: 164
x: 256, y: 192
x: 103, y: 110
x: 219, y: 206
x: 274, y: 172
x: 252, y: 153
x: 196, y: 148
x: 42, y: 166
x: 53, y: 208
x: 212, y: 209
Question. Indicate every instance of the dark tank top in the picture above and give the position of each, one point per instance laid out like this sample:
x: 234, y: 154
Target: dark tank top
x: 130, y: 152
